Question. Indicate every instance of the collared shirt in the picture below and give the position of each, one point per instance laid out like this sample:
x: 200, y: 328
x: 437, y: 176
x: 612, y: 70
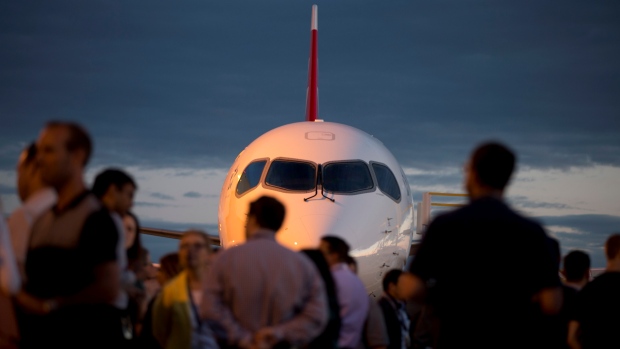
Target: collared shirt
x: 353, y: 301
x: 22, y: 219
x: 263, y: 284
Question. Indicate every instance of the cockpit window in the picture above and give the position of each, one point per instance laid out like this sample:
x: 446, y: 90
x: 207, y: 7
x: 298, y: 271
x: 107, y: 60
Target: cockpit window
x: 291, y: 175
x: 250, y: 176
x: 386, y: 181
x: 347, y: 177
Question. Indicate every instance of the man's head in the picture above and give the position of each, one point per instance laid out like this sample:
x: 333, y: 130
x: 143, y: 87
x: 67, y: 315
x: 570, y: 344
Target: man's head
x: 334, y: 249
x: 398, y: 284
x: 576, y: 266
x: 28, y: 174
x: 115, y: 189
x: 489, y: 169
x: 612, y: 248
x: 63, y: 150
x: 194, y: 250
x: 265, y: 213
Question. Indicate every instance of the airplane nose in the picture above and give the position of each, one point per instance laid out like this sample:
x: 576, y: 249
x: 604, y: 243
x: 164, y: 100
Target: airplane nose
x: 319, y: 225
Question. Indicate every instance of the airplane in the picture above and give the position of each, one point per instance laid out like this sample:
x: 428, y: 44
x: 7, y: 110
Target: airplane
x: 333, y: 179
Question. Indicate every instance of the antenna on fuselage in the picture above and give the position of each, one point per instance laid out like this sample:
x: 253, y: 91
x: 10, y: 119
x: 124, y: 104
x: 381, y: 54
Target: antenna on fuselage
x: 312, y: 94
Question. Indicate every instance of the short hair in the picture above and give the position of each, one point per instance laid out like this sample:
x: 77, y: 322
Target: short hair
x: 269, y: 212
x: 338, y: 246
x: 576, y: 265
x: 109, y: 177
x: 612, y: 246
x: 78, y: 137
x: 201, y: 234
x: 493, y: 164
x: 391, y: 277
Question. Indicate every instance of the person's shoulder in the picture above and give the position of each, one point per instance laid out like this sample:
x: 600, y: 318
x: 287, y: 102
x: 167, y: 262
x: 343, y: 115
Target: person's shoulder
x: 178, y: 281
x: 100, y: 215
x: 225, y: 256
x: 605, y: 280
x: 40, y: 202
x: 384, y: 304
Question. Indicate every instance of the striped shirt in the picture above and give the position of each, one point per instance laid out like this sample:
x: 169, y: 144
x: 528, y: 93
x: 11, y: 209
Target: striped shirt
x: 263, y: 284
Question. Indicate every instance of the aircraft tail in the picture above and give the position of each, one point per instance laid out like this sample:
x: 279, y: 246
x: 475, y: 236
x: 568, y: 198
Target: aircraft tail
x: 312, y: 94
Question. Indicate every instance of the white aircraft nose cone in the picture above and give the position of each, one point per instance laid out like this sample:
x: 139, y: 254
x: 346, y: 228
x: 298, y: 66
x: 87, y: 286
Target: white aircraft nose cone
x: 319, y: 225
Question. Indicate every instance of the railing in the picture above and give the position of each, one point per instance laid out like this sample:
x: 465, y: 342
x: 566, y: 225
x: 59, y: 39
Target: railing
x: 424, y: 208
x: 172, y: 234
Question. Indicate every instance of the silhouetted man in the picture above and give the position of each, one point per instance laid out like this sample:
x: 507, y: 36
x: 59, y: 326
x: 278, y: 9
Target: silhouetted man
x: 576, y: 269
x: 262, y: 293
x: 485, y: 261
x: 596, y: 317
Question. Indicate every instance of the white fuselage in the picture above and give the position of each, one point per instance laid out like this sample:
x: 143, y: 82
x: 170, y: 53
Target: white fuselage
x: 372, y: 212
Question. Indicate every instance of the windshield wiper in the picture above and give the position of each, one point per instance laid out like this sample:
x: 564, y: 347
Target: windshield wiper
x: 316, y: 185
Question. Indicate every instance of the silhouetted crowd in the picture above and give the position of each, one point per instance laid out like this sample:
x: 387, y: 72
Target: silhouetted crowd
x: 74, y: 274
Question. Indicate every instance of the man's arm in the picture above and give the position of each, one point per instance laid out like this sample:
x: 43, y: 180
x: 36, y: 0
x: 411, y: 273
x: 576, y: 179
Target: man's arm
x: 307, y: 324
x: 104, y: 288
x: 428, y: 259
x: 573, y: 330
x: 213, y: 308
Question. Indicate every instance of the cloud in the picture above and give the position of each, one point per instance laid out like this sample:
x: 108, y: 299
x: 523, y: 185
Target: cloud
x: 429, y: 79
x: 524, y: 202
x: 152, y: 204
x: 192, y: 194
x: 430, y: 98
x: 559, y: 230
x: 162, y: 196
x: 585, y: 232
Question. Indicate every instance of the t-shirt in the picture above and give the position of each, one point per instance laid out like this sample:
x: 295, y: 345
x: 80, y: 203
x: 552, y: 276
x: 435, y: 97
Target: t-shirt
x: 66, y: 246
x: 64, y: 249
x: 484, y: 262
x: 597, y: 310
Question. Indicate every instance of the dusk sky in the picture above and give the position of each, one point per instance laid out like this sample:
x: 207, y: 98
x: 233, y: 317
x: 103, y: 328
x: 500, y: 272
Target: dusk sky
x: 173, y: 91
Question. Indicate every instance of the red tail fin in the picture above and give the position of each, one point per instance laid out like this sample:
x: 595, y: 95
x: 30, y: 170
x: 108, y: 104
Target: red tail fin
x: 312, y: 95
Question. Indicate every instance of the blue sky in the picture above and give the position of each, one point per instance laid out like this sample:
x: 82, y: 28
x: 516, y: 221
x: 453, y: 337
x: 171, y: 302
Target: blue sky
x: 174, y: 91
